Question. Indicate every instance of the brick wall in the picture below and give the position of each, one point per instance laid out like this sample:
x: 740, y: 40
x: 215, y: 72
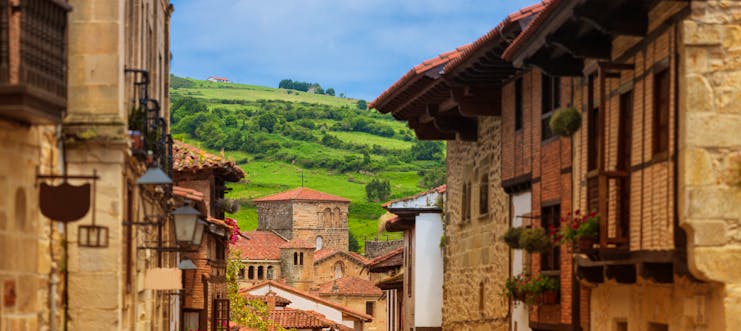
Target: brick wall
x: 650, y: 177
x: 476, y: 260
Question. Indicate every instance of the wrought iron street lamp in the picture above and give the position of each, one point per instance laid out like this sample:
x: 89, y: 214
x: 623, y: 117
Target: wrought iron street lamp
x: 198, y: 236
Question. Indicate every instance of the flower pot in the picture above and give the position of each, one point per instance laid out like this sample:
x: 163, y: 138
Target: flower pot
x: 136, y: 139
x: 549, y: 297
x: 585, y: 244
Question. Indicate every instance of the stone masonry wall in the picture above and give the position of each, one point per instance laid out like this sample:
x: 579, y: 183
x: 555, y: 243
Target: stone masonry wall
x: 476, y: 261
x: 709, y: 126
x: 26, y: 261
x: 374, y: 248
x: 276, y: 216
x: 325, y: 219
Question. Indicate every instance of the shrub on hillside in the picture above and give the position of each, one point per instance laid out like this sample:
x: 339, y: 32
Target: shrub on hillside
x: 378, y: 190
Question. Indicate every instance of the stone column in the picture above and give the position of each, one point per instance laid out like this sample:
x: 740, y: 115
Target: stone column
x: 709, y: 134
x: 95, y: 132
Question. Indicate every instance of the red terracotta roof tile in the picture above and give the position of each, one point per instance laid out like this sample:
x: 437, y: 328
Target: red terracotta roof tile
x: 302, y: 193
x: 261, y: 245
x: 364, y: 317
x: 416, y: 73
x: 187, y: 193
x: 279, y: 300
x: 349, y: 285
x: 521, y: 14
x: 519, y: 42
x: 189, y: 159
x: 394, y: 258
x: 299, y: 319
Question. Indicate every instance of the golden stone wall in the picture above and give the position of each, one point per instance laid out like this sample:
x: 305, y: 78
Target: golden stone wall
x: 104, y: 38
x: 325, y: 219
x: 476, y: 260
x: 709, y: 126
x: 357, y: 303
x: 27, y: 238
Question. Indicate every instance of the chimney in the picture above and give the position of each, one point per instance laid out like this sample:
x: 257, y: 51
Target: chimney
x: 270, y: 300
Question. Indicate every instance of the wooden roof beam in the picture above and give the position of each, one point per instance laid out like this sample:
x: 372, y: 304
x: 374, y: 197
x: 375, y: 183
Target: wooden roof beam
x: 473, y: 102
x: 615, y: 17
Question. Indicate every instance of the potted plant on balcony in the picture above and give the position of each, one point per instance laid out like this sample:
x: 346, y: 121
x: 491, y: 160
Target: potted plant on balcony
x: 512, y: 237
x: 565, y: 121
x: 580, y: 229
x: 543, y: 290
x: 535, y: 240
x: 513, y: 287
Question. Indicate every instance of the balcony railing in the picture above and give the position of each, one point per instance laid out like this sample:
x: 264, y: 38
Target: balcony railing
x: 33, y: 60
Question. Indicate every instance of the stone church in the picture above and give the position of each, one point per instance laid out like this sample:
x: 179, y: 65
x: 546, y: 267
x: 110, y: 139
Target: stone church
x: 302, y: 241
x: 306, y: 214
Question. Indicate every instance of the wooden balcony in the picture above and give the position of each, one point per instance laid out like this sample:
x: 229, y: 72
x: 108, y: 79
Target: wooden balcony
x: 33, y: 60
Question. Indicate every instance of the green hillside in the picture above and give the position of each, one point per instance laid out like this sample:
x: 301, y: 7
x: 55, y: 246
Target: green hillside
x: 277, y: 137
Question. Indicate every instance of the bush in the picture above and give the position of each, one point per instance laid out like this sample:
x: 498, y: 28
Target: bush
x: 565, y: 122
x: 378, y: 190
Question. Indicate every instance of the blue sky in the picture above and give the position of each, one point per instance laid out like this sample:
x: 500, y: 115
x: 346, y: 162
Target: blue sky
x: 359, y: 47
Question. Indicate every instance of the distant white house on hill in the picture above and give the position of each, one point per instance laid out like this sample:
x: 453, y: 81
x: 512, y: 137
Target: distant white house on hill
x: 218, y: 79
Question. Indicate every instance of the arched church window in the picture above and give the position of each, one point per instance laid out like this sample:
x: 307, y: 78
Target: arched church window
x: 251, y: 272
x: 295, y: 258
x: 327, y: 217
x: 337, y: 217
x: 301, y: 258
x: 270, y: 272
x: 260, y: 273
x: 338, y: 270
x: 318, y: 242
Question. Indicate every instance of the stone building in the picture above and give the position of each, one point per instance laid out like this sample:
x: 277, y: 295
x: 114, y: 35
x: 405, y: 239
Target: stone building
x: 386, y: 271
x: 31, y: 110
x: 80, y: 74
x: 655, y: 84
x: 419, y: 217
x: 465, y: 108
x: 313, y: 216
x: 636, y: 97
x: 201, y: 176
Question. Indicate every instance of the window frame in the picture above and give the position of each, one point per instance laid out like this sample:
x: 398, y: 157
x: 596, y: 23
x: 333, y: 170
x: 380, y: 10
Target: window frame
x: 518, y: 104
x: 661, y: 111
x: 550, y: 215
x: 370, y: 308
x: 484, y: 195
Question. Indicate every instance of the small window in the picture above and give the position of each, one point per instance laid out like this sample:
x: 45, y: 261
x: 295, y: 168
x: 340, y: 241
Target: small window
x: 295, y: 258
x: 241, y: 273
x: 466, y: 202
x: 550, y: 90
x: 220, y: 250
x: 621, y: 326
x: 658, y: 327
x: 301, y: 258
x: 484, y: 195
x: 221, y: 314
x: 545, y: 127
x: 550, y: 220
x: 338, y: 269
x: 369, y: 305
x: 518, y: 104
x: 270, y: 272
x: 661, y: 112
x: 251, y: 272
x: 260, y: 273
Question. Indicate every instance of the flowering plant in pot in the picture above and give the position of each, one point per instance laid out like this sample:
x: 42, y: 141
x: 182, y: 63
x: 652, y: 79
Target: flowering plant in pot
x: 513, y: 287
x: 542, y: 290
x: 582, y: 229
x: 535, y: 240
x: 512, y: 237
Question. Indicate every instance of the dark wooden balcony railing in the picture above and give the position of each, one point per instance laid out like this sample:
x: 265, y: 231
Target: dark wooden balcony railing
x: 33, y: 60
